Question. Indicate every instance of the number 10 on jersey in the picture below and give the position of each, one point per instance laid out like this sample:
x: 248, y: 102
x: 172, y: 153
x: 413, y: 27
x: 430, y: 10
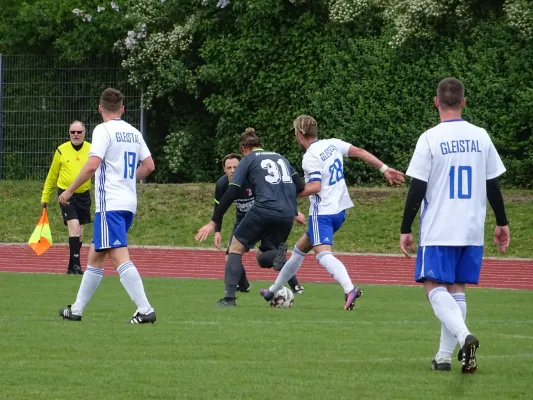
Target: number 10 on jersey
x: 130, y: 162
x: 462, y: 172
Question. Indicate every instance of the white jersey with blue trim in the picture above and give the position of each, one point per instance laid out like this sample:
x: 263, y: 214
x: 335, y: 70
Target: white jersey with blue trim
x: 456, y: 159
x: 121, y: 147
x: 323, y: 162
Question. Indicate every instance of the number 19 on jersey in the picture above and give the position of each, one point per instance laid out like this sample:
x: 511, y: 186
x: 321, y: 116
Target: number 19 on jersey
x: 130, y: 163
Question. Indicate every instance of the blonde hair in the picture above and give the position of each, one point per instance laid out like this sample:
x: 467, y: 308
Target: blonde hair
x: 306, y: 125
x: 249, y: 139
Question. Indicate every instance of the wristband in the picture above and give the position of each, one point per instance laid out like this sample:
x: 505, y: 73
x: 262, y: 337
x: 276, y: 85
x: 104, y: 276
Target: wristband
x: 383, y: 169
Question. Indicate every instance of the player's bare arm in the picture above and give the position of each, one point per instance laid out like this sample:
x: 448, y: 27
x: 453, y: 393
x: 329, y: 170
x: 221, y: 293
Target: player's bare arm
x: 393, y: 176
x: 146, y: 168
x: 86, y: 173
x: 310, y: 189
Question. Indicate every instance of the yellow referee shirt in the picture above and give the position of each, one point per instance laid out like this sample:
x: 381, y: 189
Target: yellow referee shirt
x: 65, y: 167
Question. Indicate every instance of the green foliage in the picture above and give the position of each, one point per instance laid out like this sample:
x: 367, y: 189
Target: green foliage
x: 366, y: 69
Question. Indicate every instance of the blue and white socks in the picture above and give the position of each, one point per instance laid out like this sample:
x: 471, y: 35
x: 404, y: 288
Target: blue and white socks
x: 89, y: 283
x: 448, y: 311
x: 132, y: 282
x: 447, y: 340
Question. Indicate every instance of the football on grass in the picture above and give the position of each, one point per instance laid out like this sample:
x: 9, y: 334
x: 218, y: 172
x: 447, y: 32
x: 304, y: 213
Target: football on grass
x: 283, y: 298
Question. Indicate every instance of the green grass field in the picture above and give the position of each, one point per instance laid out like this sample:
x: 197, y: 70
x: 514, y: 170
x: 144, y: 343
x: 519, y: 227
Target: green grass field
x: 171, y: 215
x: 314, y: 350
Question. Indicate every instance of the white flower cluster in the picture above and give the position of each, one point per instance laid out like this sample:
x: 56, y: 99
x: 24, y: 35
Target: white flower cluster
x: 413, y: 18
x: 84, y: 16
x: 158, y: 52
x: 174, y: 149
x: 223, y: 3
x: 343, y: 11
x: 220, y: 3
x: 519, y: 14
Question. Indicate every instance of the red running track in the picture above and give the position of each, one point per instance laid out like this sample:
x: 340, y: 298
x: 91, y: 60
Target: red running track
x: 198, y: 263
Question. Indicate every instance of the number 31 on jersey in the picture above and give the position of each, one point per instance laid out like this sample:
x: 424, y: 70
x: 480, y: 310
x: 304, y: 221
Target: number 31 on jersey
x: 277, y: 171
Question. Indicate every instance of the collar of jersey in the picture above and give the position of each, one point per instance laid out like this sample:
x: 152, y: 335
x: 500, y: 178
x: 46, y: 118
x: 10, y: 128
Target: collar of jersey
x: 453, y: 120
x: 258, y: 150
x: 313, y: 142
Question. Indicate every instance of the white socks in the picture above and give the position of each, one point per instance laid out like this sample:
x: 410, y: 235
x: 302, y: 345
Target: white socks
x: 292, y: 265
x: 447, y: 340
x: 131, y: 280
x: 89, y: 283
x: 336, y: 269
x: 449, y: 313
x: 460, y: 299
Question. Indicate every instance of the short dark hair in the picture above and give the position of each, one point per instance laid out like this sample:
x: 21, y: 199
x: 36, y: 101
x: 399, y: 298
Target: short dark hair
x: 450, y: 93
x: 249, y: 139
x: 230, y: 156
x: 111, y: 100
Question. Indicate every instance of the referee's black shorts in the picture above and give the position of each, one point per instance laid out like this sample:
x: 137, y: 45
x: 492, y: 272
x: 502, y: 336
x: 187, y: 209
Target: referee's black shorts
x: 79, y: 208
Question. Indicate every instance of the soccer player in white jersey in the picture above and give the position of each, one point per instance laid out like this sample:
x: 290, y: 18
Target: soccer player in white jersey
x: 116, y: 149
x: 454, y: 169
x: 328, y: 194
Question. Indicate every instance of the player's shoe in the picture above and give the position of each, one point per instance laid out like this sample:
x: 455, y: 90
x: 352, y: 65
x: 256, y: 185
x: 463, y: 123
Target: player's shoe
x: 267, y: 294
x: 139, y: 318
x: 66, y: 313
x: 298, y: 289
x: 226, y: 302
x: 444, y: 366
x: 281, y: 257
x: 351, y: 297
x: 244, y: 288
x: 467, y: 355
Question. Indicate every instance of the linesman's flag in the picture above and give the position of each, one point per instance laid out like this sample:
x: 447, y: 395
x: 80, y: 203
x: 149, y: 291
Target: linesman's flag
x: 41, y: 238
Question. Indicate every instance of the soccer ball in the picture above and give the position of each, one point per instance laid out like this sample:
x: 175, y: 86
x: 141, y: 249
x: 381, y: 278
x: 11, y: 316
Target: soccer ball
x: 284, y: 298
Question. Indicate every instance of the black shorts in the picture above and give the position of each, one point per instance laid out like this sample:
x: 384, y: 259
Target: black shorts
x: 235, y: 225
x: 79, y: 208
x: 271, y: 232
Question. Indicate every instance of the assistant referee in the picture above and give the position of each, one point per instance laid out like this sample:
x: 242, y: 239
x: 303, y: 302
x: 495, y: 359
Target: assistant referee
x: 68, y: 160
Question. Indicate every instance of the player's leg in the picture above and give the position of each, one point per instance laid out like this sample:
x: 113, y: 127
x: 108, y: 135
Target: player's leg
x: 89, y: 283
x: 266, y: 256
x: 233, y: 272
x: 119, y: 223
x: 321, y: 231
x: 243, y: 285
x: 467, y: 271
x: 448, y: 342
x: 132, y: 282
x: 248, y: 231
x: 94, y: 271
x: 435, y: 268
x: 291, y: 267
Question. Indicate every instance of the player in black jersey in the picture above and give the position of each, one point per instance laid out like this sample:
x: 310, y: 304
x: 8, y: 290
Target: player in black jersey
x: 242, y: 205
x: 269, y: 220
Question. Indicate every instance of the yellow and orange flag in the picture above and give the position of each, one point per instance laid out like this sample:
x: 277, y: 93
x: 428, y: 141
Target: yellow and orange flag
x: 41, y: 238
